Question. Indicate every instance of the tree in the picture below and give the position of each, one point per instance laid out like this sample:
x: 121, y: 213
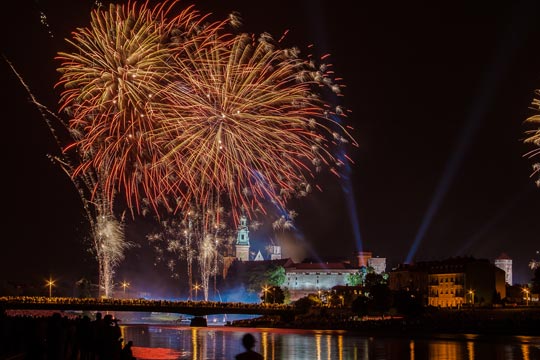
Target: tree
x: 360, y: 305
x: 373, y: 279
x: 408, y: 303
x: 273, y: 295
x: 496, y: 297
x: 306, y: 303
x: 536, y: 281
x: 83, y: 287
x: 381, y: 297
x: 256, y: 279
x: 354, y: 279
x: 276, y: 275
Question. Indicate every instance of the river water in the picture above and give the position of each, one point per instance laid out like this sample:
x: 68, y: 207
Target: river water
x: 222, y: 342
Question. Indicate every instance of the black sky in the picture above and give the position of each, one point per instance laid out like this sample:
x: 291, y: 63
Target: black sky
x: 438, y: 94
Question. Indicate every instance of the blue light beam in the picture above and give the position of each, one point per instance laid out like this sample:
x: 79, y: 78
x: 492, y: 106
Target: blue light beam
x: 486, y: 93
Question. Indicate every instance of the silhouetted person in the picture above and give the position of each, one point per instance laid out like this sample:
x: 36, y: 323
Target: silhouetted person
x: 249, y: 342
x: 127, y: 353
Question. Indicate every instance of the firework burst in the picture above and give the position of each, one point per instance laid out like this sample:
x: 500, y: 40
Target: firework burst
x: 247, y: 122
x: 533, y: 137
x: 110, y: 80
x: 175, y: 112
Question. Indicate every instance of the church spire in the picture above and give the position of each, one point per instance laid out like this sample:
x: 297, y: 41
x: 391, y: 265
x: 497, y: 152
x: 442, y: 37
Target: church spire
x: 242, y: 240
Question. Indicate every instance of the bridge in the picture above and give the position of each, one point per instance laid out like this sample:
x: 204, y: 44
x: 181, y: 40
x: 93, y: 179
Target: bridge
x: 194, y: 308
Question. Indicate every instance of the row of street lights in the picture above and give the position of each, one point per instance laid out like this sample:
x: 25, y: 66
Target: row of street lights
x: 50, y: 283
x: 525, y: 290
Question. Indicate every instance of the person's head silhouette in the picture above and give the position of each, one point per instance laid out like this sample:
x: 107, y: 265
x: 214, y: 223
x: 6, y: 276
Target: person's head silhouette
x: 248, y: 341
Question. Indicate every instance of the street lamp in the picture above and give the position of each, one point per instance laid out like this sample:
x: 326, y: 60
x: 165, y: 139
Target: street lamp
x: 265, y: 290
x: 526, y: 291
x: 342, y: 300
x: 125, y: 284
x: 50, y: 284
x: 196, y: 287
x: 471, y: 292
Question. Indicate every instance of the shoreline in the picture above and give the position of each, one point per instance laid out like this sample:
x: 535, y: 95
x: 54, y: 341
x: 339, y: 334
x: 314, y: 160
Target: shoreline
x: 478, y: 321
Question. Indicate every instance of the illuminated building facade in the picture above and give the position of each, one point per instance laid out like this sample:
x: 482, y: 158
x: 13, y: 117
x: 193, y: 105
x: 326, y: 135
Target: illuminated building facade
x: 459, y: 281
x: 447, y: 289
x: 452, y: 282
x: 505, y: 263
x: 311, y: 277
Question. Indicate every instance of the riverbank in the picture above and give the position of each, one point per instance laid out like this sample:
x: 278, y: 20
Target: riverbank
x: 522, y: 321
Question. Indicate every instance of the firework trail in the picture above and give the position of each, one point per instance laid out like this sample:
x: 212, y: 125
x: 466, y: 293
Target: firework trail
x: 177, y: 113
x: 533, y: 137
x: 107, y: 232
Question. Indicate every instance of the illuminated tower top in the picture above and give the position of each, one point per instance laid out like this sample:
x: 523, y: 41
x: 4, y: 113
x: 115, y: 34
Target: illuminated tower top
x: 504, y: 262
x: 243, y: 232
x: 242, y: 240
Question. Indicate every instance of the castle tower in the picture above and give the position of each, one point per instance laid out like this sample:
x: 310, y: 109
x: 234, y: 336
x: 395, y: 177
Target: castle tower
x: 258, y: 257
x: 378, y: 264
x: 362, y: 257
x: 242, y: 240
x: 274, y: 251
x: 505, y: 263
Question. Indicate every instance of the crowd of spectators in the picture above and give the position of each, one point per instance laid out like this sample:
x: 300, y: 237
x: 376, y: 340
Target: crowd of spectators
x: 62, y: 337
x: 37, y: 300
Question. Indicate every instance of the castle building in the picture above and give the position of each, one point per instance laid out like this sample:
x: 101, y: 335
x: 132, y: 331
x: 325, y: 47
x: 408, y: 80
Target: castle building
x: 259, y: 256
x: 274, y: 252
x: 306, y: 278
x: 378, y: 264
x: 242, y: 240
x: 505, y: 263
x: 366, y: 259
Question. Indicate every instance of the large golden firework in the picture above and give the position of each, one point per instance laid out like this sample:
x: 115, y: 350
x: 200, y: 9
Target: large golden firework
x: 177, y: 113
x: 247, y: 120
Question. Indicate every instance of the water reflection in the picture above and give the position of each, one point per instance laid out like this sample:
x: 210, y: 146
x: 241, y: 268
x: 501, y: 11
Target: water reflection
x: 180, y: 342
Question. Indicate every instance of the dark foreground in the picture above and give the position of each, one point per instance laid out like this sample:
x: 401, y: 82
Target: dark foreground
x: 61, y: 336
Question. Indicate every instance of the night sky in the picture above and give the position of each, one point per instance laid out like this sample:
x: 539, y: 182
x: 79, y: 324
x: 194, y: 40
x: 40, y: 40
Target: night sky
x: 438, y: 95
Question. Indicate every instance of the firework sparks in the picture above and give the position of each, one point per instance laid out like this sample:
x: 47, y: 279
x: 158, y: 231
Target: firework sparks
x: 175, y: 241
x: 107, y: 232
x: 533, y: 137
x: 173, y: 109
x: 110, y: 80
x: 202, y: 237
x: 246, y: 122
